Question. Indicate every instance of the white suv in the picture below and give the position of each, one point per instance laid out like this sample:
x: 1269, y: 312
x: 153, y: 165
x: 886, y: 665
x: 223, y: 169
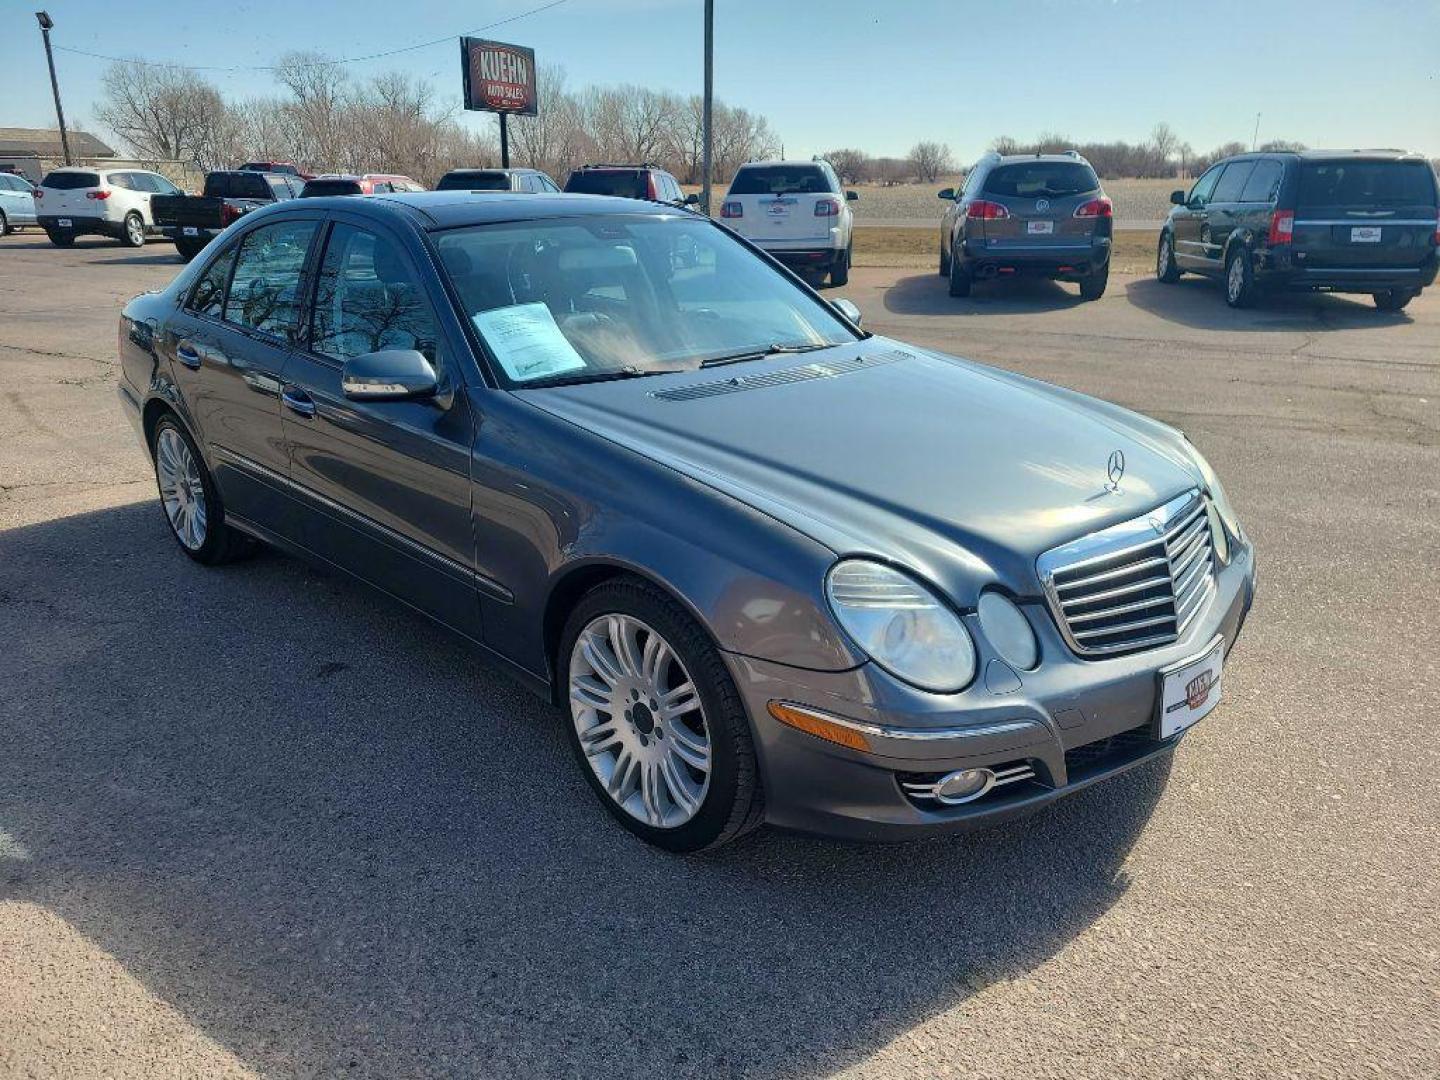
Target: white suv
x: 71, y: 202
x: 797, y: 212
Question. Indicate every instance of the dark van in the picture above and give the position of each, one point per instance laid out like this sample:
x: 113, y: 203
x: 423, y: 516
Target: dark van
x: 1355, y: 221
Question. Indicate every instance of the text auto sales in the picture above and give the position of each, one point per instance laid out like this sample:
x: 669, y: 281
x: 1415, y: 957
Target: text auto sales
x: 505, y: 75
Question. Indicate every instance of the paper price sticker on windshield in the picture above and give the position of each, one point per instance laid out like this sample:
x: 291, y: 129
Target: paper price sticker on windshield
x: 527, y: 341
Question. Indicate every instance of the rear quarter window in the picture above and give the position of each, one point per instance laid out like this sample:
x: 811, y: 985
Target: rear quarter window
x: 1041, y: 179
x: 70, y: 181
x: 781, y: 180
x: 624, y: 183
x: 1366, y: 183
x: 475, y: 181
x: 331, y: 187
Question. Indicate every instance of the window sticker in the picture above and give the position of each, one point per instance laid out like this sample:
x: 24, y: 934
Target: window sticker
x: 527, y: 341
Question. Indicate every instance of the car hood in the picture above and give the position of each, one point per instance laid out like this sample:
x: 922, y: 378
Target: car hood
x: 959, y: 471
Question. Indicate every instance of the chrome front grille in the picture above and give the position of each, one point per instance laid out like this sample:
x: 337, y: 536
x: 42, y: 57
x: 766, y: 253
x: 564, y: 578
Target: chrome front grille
x: 1135, y: 585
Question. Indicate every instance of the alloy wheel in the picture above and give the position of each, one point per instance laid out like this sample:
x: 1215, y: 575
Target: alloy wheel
x: 1162, y: 261
x: 1235, y: 279
x: 181, y: 490
x: 134, y: 230
x: 639, y: 720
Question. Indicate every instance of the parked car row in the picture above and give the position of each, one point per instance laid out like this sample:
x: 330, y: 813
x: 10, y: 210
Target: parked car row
x: 1353, y: 221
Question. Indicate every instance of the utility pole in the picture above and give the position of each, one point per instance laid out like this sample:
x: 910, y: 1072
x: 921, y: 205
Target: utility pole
x: 46, y: 24
x: 1254, y: 139
x: 504, y: 143
x: 709, y: 102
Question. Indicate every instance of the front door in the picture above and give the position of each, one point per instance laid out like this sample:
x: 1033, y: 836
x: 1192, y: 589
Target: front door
x: 387, y: 482
x: 228, y: 349
x: 1190, y: 224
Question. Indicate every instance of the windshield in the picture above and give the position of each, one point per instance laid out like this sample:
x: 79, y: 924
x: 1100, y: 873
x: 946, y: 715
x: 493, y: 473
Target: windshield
x: 573, y: 299
x: 626, y: 183
x: 474, y: 181
x: 779, y: 180
x: 1049, y: 179
x: 1366, y: 183
x: 316, y: 188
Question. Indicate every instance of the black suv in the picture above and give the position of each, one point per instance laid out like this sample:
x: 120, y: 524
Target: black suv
x: 1037, y: 215
x: 1357, y: 221
x: 645, y: 181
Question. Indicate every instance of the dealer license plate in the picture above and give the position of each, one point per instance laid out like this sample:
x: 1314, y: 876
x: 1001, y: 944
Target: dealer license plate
x: 1365, y: 234
x: 1189, y: 691
x: 64, y: 223
x: 189, y: 230
x: 1040, y: 228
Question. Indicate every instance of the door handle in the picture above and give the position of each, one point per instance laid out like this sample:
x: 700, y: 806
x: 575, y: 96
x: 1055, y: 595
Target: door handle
x: 298, y: 401
x: 186, y: 354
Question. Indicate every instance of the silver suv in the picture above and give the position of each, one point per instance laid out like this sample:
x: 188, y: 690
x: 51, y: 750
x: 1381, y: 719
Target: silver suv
x: 1036, y: 215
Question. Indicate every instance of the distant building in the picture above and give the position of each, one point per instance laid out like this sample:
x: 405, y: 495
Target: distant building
x: 30, y: 151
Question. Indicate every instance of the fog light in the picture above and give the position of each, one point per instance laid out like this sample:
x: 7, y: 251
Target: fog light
x: 963, y: 785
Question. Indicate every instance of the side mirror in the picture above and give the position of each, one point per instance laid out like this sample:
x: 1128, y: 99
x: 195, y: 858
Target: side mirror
x: 692, y: 199
x: 1178, y: 198
x: 852, y: 196
x: 847, y: 308
x: 388, y: 375
x: 948, y: 194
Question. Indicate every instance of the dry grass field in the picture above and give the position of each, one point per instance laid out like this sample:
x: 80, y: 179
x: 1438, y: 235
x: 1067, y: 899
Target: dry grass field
x: 879, y: 245
x: 1135, y: 200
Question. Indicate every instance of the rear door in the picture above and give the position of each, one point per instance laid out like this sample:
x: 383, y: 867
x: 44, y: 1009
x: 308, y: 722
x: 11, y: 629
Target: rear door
x: 1041, y: 198
x: 1226, y: 208
x: 1355, y: 212
x: 16, y: 200
x: 778, y: 203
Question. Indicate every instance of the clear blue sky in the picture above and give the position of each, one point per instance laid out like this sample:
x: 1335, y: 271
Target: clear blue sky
x: 878, y: 74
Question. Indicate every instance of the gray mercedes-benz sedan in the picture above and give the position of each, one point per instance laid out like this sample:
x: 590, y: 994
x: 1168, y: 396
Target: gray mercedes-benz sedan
x: 773, y: 568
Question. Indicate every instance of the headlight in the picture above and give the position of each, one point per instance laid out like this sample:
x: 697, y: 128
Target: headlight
x: 1218, y: 499
x: 901, y: 625
x: 1008, y: 630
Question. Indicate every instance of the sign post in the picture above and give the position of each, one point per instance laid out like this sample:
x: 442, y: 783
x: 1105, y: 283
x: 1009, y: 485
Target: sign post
x: 499, y: 78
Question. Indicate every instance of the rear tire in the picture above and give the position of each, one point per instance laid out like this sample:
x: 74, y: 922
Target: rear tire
x: 840, y: 271
x: 960, y: 279
x: 189, y: 498
x: 1394, y: 300
x: 1240, y: 287
x: 1092, y: 286
x: 132, y: 233
x: 1166, y: 268
x: 60, y: 238
x: 186, y: 250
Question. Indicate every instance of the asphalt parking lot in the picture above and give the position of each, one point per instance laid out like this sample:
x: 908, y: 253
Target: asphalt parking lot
x: 260, y: 820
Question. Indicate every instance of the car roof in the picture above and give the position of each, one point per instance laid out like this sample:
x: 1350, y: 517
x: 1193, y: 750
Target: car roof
x: 483, y: 169
x: 771, y: 164
x: 452, y: 209
x: 1013, y: 159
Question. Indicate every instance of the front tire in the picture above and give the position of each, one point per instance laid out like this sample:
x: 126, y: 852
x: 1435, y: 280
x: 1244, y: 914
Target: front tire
x: 1166, y: 268
x: 960, y: 279
x: 4, y: 224
x: 656, y: 723
x: 1394, y: 300
x: 1240, y: 287
x: 191, y: 501
x: 944, y: 260
x: 132, y: 233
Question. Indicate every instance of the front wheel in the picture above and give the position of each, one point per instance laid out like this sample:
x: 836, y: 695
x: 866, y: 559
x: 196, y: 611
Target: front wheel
x: 944, y: 260
x: 655, y: 720
x: 1166, y: 268
x: 1092, y: 286
x: 190, y: 499
x: 960, y: 279
x: 1240, y: 287
x: 1394, y: 300
x: 133, y: 233
x: 4, y: 224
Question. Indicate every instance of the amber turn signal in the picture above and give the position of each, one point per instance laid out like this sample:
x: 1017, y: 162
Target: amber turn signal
x: 822, y: 727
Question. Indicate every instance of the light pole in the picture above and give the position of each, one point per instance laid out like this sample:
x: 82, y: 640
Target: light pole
x: 46, y: 23
x: 709, y: 101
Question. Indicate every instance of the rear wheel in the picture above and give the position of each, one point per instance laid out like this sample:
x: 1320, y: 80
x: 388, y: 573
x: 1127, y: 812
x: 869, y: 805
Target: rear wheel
x: 1092, y: 286
x: 840, y: 271
x: 1166, y: 268
x: 959, y: 277
x: 1393, y: 300
x: 60, y: 238
x: 190, y: 499
x: 1240, y: 285
x: 655, y: 720
x: 188, y: 249
x: 133, y: 232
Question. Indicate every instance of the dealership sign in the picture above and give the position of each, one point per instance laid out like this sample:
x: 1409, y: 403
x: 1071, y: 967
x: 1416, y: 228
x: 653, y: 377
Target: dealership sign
x: 498, y: 77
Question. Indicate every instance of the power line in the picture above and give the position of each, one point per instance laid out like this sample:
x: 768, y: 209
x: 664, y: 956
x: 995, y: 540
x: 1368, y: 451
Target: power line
x: 448, y: 38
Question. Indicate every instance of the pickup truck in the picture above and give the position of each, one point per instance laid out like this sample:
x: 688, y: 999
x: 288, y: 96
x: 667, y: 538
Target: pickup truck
x: 192, y: 221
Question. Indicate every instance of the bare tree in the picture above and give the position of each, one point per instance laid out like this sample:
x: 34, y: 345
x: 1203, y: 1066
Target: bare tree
x: 929, y: 160
x: 162, y: 112
x: 1163, y: 141
x: 551, y: 140
x: 852, y: 165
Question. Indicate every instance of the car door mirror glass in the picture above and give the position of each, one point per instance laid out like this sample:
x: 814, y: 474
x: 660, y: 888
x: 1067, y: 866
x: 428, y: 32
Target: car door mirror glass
x: 388, y: 375
x: 947, y: 194
x: 847, y: 308
x: 692, y: 199
x: 1178, y: 198
x: 852, y: 196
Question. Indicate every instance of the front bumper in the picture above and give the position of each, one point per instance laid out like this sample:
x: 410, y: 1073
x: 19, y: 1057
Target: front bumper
x: 1074, y: 722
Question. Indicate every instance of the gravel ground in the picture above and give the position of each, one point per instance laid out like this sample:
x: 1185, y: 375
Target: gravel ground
x: 260, y: 821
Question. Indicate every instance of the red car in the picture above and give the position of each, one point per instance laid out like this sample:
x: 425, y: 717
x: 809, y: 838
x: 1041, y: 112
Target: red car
x: 369, y: 184
x: 289, y: 168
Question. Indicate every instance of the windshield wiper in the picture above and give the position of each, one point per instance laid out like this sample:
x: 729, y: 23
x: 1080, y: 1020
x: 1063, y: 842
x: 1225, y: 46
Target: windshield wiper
x: 760, y: 354
x: 598, y: 376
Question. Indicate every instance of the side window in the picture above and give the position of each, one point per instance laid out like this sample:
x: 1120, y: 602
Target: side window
x: 368, y: 299
x: 1263, y: 182
x: 1200, y: 193
x: 208, y: 295
x: 117, y: 180
x: 550, y: 185
x: 1232, y: 182
x: 265, y: 291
